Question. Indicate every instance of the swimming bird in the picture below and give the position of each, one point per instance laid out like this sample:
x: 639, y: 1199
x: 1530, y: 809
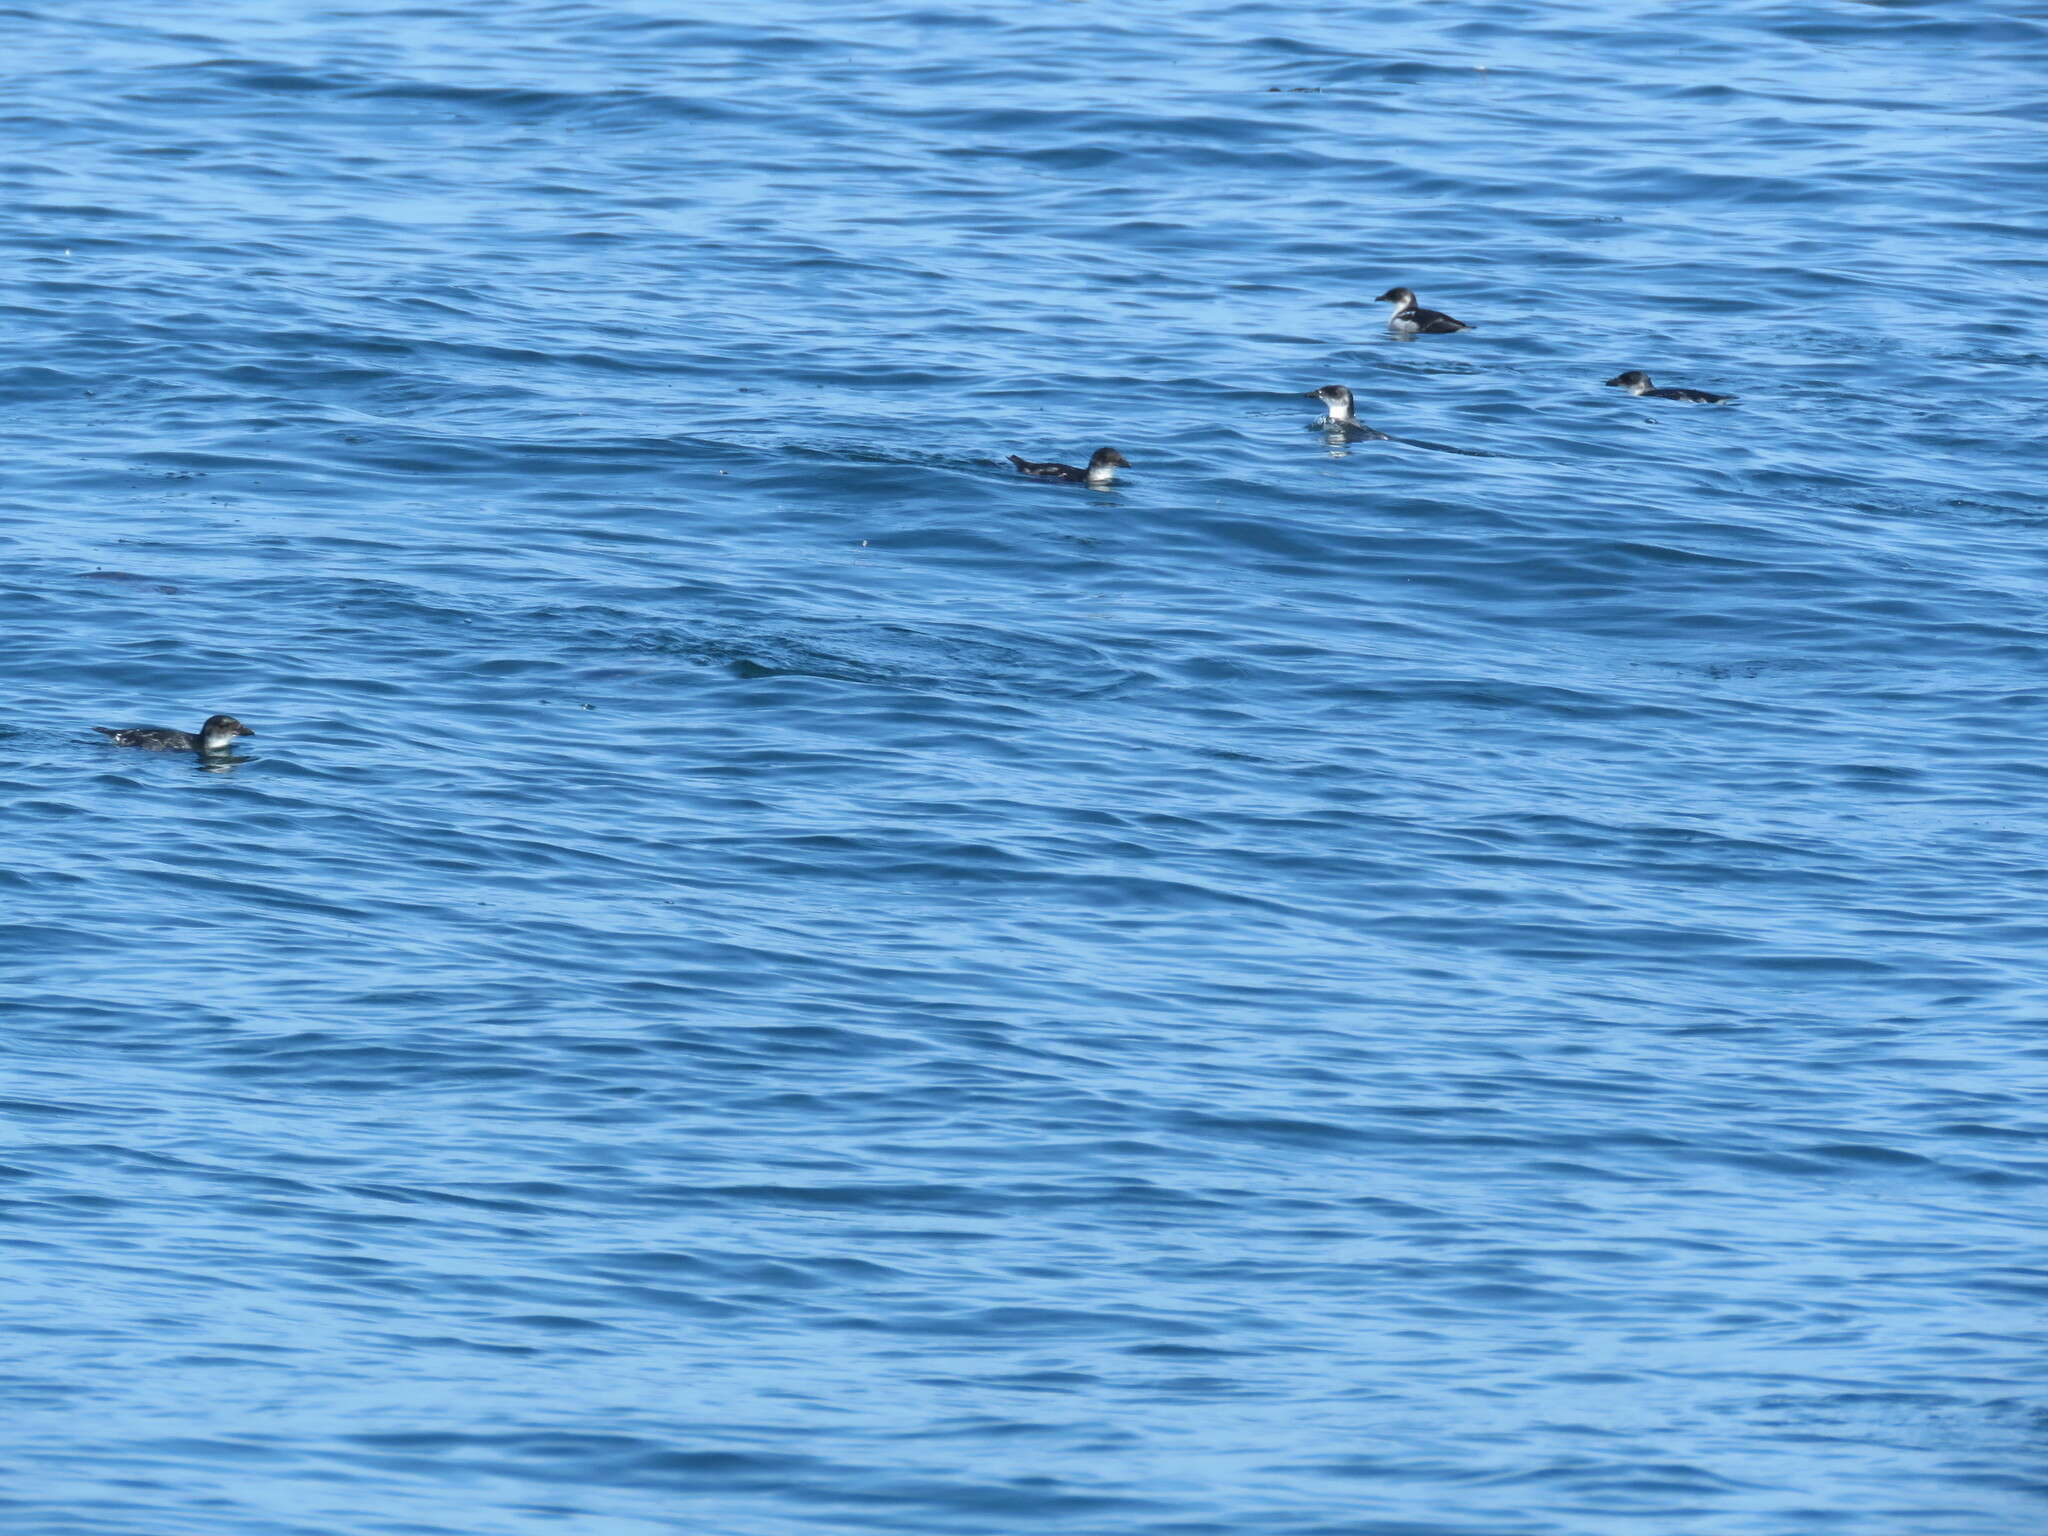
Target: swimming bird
x: 1411, y: 317
x: 1102, y: 467
x: 1340, y: 420
x: 214, y: 736
x: 1638, y: 384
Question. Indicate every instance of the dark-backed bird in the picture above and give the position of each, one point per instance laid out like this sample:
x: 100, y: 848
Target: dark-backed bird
x: 1102, y: 467
x: 1340, y: 421
x: 1637, y: 383
x: 214, y: 736
x: 1414, y: 319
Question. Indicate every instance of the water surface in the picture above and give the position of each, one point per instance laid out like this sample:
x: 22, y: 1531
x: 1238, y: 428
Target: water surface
x: 766, y: 976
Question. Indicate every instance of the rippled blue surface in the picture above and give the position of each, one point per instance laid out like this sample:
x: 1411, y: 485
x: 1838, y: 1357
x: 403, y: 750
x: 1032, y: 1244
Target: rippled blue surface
x: 765, y: 976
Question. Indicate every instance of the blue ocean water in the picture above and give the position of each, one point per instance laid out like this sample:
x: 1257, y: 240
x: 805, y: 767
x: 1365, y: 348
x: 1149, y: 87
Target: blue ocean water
x: 765, y: 976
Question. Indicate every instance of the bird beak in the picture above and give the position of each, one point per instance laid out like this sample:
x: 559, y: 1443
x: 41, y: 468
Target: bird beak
x: 245, y: 731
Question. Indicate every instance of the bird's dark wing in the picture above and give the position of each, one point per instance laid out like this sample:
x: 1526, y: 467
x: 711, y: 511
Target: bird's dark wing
x: 1436, y: 320
x: 1048, y: 471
